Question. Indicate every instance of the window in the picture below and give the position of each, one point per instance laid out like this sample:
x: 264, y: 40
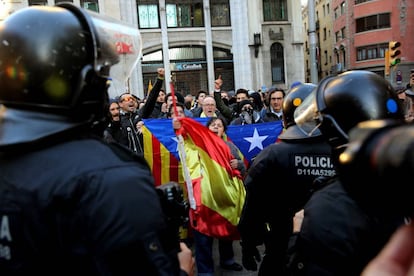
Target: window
x: 343, y: 8
x: 376, y: 51
x: 184, y: 13
x: 275, y: 10
x: 220, y: 13
x: 336, y: 15
x: 277, y: 63
x: 361, y: 1
x: 62, y: 1
x: 90, y: 5
x: 373, y: 22
x: 37, y: 2
x: 148, y: 14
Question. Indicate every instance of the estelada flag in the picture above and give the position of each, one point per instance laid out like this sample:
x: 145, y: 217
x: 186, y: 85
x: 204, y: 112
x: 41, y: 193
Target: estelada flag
x: 161, y: 151
x: 218, y: 189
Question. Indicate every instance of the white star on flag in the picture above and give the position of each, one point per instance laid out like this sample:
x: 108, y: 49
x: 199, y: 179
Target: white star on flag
x: 256, y: 141
x: 176, y: 141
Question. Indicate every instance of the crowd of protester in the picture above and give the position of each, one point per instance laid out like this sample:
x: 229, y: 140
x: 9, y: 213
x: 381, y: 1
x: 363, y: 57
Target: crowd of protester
x: 303, y: 198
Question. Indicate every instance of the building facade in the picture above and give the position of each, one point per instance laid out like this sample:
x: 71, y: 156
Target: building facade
x: 360, y: 34
x: 251, y: 44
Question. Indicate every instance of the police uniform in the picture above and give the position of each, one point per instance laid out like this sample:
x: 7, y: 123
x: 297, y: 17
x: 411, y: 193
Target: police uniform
x: 70, y: 204
x: 278, y: 184
x: 72, y: 208
x: 337, y: 236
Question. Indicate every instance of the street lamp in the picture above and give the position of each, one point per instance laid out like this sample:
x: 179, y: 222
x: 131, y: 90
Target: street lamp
x: 256, y: 43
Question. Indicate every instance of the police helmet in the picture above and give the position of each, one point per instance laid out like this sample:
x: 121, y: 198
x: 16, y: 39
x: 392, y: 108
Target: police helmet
x: 54, y: 69
x: 295, y: 96
x: 340, y: 102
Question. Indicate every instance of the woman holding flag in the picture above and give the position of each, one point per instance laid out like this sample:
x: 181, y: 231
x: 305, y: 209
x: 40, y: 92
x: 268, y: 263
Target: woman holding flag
x: 213, y: 171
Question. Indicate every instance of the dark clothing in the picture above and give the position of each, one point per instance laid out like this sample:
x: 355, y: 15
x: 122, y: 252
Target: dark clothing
x: 125, y: 132
x: 70, y: 209
x: 247, y: 118
x: 113, y: 132
x: 152, y: 108
x: 229, y: 112
x: 204, y: 253
x: 278, y: 184
x: 337, y: 237
x: 130, y: 136
x: 268, y: 116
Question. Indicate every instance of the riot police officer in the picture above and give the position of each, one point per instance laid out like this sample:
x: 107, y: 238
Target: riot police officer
x: 68, y: 200
x: 337, y: 236
x: 278, y: 184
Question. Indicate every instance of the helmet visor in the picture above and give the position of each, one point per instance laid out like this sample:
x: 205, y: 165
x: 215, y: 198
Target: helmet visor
x: 119, y: 45
x: 307, y: 116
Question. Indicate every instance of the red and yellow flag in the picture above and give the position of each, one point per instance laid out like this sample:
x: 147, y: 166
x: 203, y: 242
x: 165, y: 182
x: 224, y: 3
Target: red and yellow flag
x: 218, y: 189
x: 164, y: 164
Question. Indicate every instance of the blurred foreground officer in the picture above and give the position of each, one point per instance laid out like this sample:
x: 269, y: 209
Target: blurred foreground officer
x: 338, y: 236
x: 292, y: 165
x: 384, y: 150
x: 68, y: 201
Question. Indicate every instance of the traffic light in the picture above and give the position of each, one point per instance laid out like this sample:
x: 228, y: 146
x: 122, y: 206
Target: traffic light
x: 387, y: 62
x: 394, y: 52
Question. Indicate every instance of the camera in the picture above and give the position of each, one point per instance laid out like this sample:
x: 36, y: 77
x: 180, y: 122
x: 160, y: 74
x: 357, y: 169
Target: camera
x: 377, y: 166
x: 176, y: 211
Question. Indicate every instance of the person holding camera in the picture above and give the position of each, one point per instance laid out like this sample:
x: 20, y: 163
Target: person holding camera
x: 246, y: 114
x: 338, y: 236
x: 68, y: 199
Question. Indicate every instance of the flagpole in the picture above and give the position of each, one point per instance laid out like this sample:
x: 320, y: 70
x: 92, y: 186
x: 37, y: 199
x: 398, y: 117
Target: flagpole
x: 181, y: 153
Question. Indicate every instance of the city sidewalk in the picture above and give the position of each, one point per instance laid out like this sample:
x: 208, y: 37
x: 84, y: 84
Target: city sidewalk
x: 237, y: 256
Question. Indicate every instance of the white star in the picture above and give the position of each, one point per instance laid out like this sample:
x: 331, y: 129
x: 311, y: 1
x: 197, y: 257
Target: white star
x: 174, y: 138
x: 255, y: 140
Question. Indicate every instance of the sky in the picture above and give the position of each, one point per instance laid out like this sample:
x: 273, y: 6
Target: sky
x: 304, y: 2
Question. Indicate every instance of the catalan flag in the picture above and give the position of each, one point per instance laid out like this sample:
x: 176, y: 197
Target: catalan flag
x: 161, y: 151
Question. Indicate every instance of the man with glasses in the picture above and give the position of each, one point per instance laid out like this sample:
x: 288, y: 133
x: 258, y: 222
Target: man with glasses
x: 274, y: 111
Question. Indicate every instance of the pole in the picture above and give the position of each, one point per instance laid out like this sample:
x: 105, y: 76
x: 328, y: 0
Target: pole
x: 312, y: 41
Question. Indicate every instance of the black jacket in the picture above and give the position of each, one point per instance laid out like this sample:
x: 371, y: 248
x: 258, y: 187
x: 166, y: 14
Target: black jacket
x: 337, y: 237
x: 73, y: 209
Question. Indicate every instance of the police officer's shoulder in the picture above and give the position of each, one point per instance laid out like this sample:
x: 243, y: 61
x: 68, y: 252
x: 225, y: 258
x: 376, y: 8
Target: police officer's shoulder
x: 124, y: 153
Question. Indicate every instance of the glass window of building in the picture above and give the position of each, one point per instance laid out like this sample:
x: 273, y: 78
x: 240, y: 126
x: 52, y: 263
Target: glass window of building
x: 62, y: 1
x: 148, y: 17
x: 275, y: 10
x: 90, y: 5
x: 277, y: 63
x: 220, y: 13
x: 37, y: 2
x: 184, y: 13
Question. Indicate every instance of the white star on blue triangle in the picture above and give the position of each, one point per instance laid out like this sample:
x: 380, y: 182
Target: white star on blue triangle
x: 256, y: 141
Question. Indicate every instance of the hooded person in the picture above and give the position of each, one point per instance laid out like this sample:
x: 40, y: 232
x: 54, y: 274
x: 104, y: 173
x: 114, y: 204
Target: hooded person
x: 247, y: 114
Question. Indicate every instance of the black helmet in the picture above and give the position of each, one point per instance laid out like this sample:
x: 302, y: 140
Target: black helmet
x: 53, y: 62
x: 294, y: 97
x: 341, y: 102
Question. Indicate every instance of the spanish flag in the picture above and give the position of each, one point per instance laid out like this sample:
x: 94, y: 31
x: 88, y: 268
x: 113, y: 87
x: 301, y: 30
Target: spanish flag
x: 218, y: 189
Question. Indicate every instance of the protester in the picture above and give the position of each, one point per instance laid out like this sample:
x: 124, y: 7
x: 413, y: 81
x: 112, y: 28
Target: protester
x: 68, y: 199
x: 204, y: 243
